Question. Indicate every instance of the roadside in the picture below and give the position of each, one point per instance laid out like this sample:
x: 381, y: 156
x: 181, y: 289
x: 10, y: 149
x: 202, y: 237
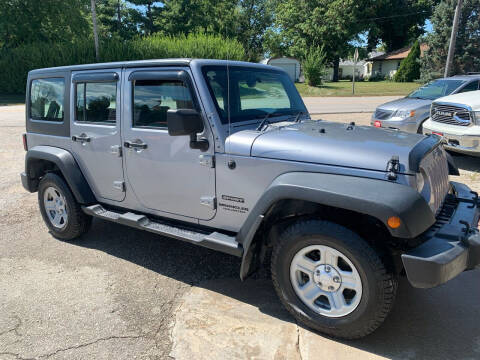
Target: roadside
x: 362, y: 88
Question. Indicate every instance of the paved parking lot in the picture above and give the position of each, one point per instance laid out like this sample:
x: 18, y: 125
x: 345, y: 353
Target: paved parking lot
x: 119, y: 293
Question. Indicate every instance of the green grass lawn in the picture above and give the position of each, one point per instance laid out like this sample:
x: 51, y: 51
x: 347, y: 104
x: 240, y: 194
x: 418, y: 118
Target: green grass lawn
x: 8, y: 99
x: 364, y: 88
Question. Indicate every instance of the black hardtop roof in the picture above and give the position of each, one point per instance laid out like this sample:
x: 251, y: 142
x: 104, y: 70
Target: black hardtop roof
x: 145, y: 63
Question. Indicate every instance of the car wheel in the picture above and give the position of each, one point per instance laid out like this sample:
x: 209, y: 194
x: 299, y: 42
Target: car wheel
x: 60, y: 211
x: 331, y: 280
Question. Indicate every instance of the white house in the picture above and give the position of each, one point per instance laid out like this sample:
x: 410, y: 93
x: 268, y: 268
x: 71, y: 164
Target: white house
x: 345, y: 69
x: 289, y: 64
x: 387, y: 64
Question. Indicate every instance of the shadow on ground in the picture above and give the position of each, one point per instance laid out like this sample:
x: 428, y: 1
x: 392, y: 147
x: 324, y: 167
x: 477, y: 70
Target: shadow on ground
x: 436, y: 323
x: 467, y: 162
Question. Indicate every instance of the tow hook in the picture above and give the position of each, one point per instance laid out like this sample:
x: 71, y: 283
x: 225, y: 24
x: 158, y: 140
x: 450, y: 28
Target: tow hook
x: 474, y: 200
x: 393, y: 167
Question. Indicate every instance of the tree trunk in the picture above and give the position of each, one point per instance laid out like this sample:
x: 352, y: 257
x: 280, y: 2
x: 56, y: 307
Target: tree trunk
x: 119, y: 17
x: 336, y: 68
x: 95, y: 31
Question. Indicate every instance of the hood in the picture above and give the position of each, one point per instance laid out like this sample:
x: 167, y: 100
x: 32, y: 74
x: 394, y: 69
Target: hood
x: 405, y: 104
x: 471, y: 99
x: 328, y: 143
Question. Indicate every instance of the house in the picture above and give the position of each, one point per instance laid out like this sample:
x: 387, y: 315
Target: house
x: 387, y: 64
x: 289, y: 64
x: 345, y: 70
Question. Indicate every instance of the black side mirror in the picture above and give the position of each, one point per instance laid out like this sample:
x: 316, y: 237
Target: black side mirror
x: 187, y: 122
x: 184, y: 122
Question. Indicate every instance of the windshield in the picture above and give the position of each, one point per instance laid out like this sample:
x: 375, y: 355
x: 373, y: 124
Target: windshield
x: 254, y: 93
x: 436, y: 89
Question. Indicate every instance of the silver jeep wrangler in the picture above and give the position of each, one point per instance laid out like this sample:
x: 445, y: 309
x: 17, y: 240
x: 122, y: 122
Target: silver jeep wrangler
x: 224, y: 155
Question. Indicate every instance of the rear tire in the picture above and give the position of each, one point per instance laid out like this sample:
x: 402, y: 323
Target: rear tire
x: 340, y: 268
x: 62, y: 214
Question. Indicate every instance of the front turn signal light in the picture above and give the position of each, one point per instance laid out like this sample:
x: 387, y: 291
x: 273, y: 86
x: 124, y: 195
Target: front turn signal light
x: 394, y: 222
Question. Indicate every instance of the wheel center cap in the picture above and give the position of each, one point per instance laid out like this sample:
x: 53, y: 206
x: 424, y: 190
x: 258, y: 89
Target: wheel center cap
x: 327, y: 278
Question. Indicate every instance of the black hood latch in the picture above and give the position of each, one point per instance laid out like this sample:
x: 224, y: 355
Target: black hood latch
x: 393, y: 168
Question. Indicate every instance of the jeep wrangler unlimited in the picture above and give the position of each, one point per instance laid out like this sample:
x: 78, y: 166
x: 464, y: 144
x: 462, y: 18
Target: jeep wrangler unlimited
x: 224, y: 155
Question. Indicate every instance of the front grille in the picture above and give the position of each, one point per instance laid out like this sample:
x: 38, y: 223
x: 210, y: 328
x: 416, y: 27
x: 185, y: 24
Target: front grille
x: 381, y: 114
x: 435, y: 169
x: 450, y: 114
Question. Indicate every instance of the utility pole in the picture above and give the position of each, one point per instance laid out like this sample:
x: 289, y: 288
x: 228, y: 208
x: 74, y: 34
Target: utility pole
x: 95, y: 31
x: 355, y: 59
x: 453, y: 38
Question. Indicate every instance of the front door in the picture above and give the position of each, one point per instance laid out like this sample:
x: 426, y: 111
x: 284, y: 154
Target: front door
x: 95, y: 130
x: 164, y: 173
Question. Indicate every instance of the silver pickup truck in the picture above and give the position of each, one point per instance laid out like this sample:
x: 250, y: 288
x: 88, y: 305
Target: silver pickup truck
x: 224, y: 155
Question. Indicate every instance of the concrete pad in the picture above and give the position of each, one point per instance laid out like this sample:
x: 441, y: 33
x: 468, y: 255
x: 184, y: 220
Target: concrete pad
x: 210, y: 325
x: 227, y: 319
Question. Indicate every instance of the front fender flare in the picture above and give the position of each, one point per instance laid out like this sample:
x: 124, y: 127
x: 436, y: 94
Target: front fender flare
x: 67, y: 165
x: 378, y: 198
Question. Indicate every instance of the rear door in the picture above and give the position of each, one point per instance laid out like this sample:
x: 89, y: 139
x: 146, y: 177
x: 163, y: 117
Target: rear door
x: 163, y: 171
x: 95, y: 131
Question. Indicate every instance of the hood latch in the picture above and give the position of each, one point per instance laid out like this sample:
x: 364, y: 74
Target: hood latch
x: 393, y: 168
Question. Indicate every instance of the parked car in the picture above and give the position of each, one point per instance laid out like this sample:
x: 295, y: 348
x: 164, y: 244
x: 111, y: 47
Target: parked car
x: 457, y: 119
x: 409, y: 113
x: 224, y: 155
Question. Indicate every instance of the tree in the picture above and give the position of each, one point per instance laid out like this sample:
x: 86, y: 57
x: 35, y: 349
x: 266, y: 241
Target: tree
x: 116, y: 19
x: 254, y: 17
x: 28, y: 21
x: 397, y: 23
x: 330, y: 24
x: 410, y: 67
x: 314, y: 66
x: 146, y: 19
x: 467, y: 49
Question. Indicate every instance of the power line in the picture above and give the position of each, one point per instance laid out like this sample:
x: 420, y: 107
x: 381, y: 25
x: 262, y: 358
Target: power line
x: 395, y: 16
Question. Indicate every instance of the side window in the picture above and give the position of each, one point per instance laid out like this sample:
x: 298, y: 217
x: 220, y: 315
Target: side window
x: 95, y: 102
x: 470, y: 87
x: 153, y: 98
x: 46, y: 99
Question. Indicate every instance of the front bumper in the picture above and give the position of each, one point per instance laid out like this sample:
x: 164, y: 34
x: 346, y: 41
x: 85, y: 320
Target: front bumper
x: 468, y: 143
x: 452, y: 244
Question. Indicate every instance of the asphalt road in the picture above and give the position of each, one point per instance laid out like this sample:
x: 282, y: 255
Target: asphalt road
x: 120, y: 293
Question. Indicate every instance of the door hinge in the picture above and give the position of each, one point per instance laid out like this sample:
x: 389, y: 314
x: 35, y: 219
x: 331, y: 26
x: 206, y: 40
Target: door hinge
x: 207, y: 160
x: 116, y: 150
x: 210, y: 201
x: 119, y: 185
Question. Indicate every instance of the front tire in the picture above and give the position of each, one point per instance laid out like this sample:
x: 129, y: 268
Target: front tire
x: 331, y: 280
x: 62, y: 214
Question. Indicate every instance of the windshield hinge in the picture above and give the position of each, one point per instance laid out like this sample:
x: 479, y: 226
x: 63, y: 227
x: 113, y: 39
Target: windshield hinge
x: 207, y: 160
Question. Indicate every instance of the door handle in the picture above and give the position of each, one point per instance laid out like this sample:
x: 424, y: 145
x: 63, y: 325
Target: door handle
x: 81, y: 138
x: 137, y: 145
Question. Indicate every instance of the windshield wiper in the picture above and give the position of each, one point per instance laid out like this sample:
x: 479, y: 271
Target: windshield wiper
x: 264, y: 121
x: 297, y: 118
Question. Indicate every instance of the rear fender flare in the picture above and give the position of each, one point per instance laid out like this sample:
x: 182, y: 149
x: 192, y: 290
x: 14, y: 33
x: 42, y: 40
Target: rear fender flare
x: 67, y: 165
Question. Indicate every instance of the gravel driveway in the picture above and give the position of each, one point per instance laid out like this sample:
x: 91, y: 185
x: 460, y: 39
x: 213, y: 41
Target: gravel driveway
x: 119, y: 293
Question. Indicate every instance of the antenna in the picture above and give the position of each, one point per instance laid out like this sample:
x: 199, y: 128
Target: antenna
x: 229, y: 160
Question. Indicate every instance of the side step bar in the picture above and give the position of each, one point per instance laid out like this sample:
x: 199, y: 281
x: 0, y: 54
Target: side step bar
x: 215, y: 241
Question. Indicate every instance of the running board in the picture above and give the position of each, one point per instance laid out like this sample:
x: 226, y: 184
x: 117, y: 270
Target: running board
x: 215, y: 241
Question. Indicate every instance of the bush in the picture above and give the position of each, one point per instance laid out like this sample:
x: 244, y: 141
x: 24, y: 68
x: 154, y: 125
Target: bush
x: 16, y: 63
x: 375, y: 77
x: 410, y: 67
x: 314, y: 66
